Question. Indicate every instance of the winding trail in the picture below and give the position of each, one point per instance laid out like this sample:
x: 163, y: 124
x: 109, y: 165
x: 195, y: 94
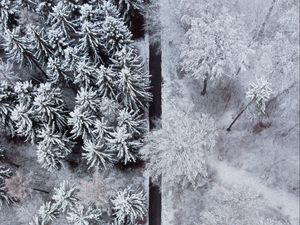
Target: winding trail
x: 288, y: 203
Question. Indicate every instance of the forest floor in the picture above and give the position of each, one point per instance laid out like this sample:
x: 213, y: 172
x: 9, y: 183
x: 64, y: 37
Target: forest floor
x: 259, y: 155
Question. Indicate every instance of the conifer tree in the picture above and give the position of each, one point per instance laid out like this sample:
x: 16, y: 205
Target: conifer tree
x: 53, y: 147
x: 82, y: 122
x: 85, y: 73
x: 18, y: 50
x: 90, y: 41
x: 129, y: 206
x: 115, y: 35
x: 82, y: 215
x: 124, y: 145
x: 7, y: 101
x: 48, y: 105
x: 106, y: 81
x: 134, y: 88
x: 97, y: 154
x: 39, y: 45
x: 60, y: 20
x: 133, y: 121
x: 23, y: 118
x: 88, y: 98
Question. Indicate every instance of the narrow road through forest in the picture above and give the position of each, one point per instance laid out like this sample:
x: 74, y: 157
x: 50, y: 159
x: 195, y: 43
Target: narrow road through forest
x: 155, y: 113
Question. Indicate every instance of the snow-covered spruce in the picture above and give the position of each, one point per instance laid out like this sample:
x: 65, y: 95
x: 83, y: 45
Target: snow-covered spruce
x: 60, y: 20
x: 55, y: 71
x: 115, y: 35
x: 124, y: 145
x: 82, y: 121
x: 179, y: 155
x: 63, y: 201
x: 133, y: 121
x: 106, y: 81
x: 133, y: 82
x: 6, y: 72
x: 53, y: 146
x: 65, y: 196
x: 81, y: 215
x: 87, y: 98
x: 102, y: 129
x: 89, y: 41
x: 17, y: 49
x: 129, y: 207
x: 7, y: 100
x: 48, y: 105
x: 39, y: 44
x: 23, y: 119
x: 97, y: 154
x: 85, y: 73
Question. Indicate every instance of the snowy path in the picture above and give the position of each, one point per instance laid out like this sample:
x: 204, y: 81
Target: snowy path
x: 288, y: 203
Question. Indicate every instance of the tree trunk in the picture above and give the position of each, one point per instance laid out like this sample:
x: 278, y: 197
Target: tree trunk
x: 203, y: 92
x: 238, y: 115
x: 12, y: 163
x: 261, y: 30
x: 40, y: 190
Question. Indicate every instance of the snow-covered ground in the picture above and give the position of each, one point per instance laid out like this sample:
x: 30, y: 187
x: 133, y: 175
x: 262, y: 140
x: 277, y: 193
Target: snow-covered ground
x: 259, y: 156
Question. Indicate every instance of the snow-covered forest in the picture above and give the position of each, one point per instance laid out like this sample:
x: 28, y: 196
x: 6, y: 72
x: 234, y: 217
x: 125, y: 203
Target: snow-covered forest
x: 127, y: 112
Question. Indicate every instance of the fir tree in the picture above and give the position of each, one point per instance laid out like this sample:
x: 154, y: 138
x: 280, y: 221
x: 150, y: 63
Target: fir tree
x: 115, y: 35
x: 7, y: 73
x: 102, y: 129
x: 89, y: 41
x: 87, y: 98
x: 133, y: 82
x: 39, y: 45
x: 134, y: 88
x: 48, y: 105
x: 60, y: 20
x: 85, y: 73
x: 84, y: 215
x: 82, y: 122
x: 7, y: 8
x: 23, y: 118
x: 123, y: 144
x: 129, y: 206
x: 133, y: 121
x: 52, y: 147
x: 55, y: 71
x: 24, y: 92
x: 106, y: 81
x: 7, y: 101
x: 65, y: 196
x: 97, y: 154
x: 18, y: 50
x: 108, y: 8
x: 57, y: 41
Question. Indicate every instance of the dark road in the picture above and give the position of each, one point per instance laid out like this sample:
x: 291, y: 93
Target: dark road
x: 155, y: 113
